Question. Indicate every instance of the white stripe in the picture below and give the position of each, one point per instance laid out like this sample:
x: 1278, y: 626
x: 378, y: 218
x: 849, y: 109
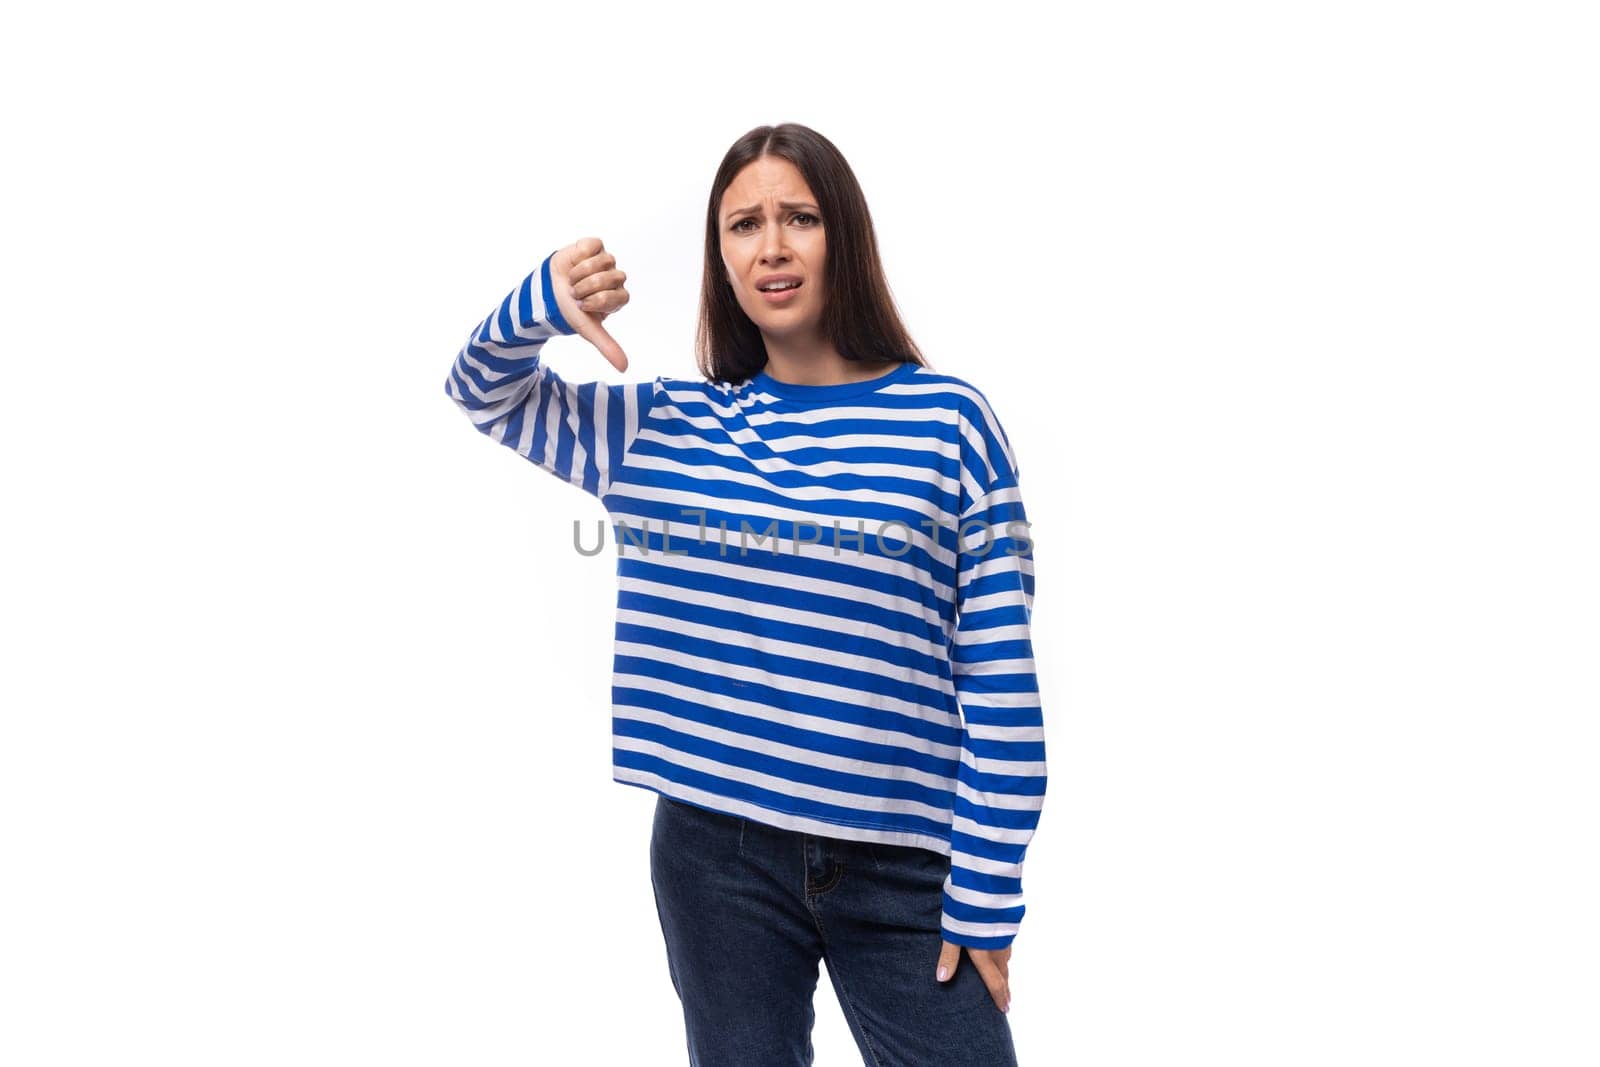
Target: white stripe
x: 998, y: 801
x: 1005, y: 734
x: 982, y: 900
x: 1001, y: 768
x: 980, y: 929
x: 984, y: 865
x: 998, y: 834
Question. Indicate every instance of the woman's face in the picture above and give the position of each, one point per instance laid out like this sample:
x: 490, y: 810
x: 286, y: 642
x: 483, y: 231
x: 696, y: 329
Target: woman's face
x: 770, y: 227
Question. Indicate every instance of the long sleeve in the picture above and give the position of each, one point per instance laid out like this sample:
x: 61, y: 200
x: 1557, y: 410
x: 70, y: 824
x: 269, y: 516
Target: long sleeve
x: 578, y: 432
x: 1001, y: 777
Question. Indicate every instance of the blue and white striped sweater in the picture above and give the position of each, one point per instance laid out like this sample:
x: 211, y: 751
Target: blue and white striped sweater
x: 803, y: 637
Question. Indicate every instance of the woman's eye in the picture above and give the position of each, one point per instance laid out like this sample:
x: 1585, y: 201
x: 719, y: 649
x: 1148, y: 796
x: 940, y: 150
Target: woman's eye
x: 739, y: 226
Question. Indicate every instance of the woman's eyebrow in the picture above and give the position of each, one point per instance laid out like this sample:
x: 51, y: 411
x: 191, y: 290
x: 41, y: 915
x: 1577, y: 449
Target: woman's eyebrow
x: 786, y: 204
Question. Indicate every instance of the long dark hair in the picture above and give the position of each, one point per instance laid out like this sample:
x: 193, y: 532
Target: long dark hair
x: 858, y: 315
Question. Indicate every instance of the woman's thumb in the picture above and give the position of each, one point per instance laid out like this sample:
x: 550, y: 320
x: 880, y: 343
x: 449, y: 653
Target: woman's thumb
x: 590, y: 330
x: 583, y: 323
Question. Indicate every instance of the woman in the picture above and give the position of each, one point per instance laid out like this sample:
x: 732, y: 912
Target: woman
x: 840, y: 718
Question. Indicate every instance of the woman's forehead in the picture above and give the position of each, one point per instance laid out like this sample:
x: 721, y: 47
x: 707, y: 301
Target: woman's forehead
x: 775, y: 182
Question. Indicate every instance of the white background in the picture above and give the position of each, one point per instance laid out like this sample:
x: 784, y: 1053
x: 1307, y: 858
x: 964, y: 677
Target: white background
x: 1289, y: 310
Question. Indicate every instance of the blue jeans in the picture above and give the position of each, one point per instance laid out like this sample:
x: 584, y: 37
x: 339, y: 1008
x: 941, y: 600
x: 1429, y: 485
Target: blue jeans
x: 748, y: 910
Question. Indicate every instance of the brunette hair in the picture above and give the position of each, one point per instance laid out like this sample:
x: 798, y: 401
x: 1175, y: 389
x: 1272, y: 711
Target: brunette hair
x: 858, y: 315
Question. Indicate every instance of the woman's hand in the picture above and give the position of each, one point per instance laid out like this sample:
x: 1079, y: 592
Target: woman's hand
x: 588, y: 287
x: 992, y: 963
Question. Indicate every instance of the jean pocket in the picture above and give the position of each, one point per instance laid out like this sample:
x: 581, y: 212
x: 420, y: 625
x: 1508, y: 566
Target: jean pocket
x: 700, y: 830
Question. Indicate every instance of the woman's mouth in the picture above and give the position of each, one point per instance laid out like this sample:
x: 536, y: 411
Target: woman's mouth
x: 782, y: 295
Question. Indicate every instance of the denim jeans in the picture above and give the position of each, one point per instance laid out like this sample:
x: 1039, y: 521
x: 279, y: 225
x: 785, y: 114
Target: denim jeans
x: 748, y: 911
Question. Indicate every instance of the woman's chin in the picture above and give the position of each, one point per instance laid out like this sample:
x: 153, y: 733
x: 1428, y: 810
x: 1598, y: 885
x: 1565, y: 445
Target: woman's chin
x: 784, y: 327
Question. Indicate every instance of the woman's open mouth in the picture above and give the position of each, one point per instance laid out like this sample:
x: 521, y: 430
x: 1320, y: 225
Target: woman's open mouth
x: 782, y: 294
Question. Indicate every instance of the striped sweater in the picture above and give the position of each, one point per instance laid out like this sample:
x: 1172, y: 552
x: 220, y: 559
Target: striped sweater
x: 824, y: 597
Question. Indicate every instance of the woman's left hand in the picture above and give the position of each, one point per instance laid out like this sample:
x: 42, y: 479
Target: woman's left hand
x: 992, y: 963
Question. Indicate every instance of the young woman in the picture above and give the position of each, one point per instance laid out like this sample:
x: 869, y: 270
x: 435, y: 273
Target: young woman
x: 823, y: 665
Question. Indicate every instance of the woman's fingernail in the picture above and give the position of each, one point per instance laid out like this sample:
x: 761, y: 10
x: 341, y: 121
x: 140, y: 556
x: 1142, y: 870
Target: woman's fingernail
x: 944, y: 972
x: 1007, y: 1008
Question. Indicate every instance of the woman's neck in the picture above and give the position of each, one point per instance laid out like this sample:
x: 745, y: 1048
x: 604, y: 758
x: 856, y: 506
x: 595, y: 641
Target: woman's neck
x: 817, y: 364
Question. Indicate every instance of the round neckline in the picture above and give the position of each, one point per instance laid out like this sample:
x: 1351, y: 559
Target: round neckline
x: 792, y: 391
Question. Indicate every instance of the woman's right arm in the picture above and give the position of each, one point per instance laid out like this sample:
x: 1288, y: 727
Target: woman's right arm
x: 578, y: 432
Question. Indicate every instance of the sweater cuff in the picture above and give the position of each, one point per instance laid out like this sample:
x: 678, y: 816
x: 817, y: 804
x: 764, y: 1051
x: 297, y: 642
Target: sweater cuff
x: 991, y: 925
x: 547, y: 295
x: 969, y: 940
